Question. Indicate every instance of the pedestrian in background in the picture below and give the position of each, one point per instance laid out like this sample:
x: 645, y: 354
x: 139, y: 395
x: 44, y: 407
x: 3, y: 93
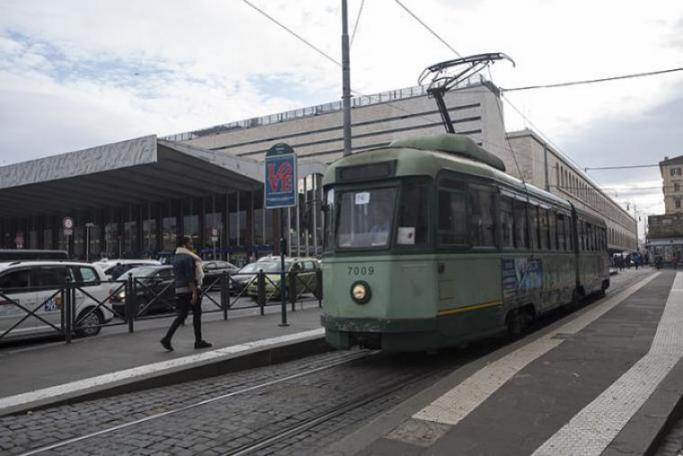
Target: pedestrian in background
x: 189, y: 274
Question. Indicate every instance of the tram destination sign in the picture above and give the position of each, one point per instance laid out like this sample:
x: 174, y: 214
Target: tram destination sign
x: 280, y: 177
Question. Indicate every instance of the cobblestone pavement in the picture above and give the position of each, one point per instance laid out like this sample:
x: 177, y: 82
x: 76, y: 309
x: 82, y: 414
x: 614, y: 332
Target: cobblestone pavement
x: 222, y: 426
x: 225, y: 425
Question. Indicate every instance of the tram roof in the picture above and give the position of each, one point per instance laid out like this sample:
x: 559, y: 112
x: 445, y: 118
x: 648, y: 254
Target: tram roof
x: 415, y: 162
x: 139, y: 170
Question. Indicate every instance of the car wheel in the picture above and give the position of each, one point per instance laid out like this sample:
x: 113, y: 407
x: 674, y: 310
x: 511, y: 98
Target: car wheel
x: 91, y: 324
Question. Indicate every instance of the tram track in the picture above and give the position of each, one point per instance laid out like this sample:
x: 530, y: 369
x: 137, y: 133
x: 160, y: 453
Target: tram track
x: 331, y: 413
x: 63, y: 443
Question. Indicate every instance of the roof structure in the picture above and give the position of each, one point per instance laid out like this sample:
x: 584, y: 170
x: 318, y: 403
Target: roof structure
x: 139, y: 170
x: 672, y: 161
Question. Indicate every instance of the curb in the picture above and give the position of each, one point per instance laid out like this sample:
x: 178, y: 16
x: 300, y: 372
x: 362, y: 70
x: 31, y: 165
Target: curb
x: 179, y: 370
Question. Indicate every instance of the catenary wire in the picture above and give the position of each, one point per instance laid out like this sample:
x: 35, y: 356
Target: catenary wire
x: 293, y: 33
x: 355, y: 26
x: 431, y: 30
x: 592, y: 81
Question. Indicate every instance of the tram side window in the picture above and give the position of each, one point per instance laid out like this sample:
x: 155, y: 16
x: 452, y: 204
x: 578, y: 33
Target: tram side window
x: 507, y: 222
x: 533, y: 227
x: 543, y: 227
x: 412, y: 223
x: 482, y: 227
x: 452, y: 227
x: 561, y: 233
x: 552, y: 230
x: 328, y: 222
x: 521, y: 233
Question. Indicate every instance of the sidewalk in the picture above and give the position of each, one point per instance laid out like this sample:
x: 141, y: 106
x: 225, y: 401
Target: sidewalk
x: 605, y: 381
x: 37, y: 374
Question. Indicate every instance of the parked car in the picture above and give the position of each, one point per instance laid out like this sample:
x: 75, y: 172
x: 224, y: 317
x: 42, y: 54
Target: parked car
x: 242, y: 278
x: 115, y: 268
x: 153, y: 284
x: 214, y: 269
x: 36, y: 284
x: 306, y: 269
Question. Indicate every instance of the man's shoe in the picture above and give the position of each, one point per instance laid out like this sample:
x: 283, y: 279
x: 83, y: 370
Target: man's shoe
x: 202, y: 344
x: 166, y: 344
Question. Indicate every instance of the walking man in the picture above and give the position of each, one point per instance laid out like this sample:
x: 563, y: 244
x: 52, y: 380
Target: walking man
x: 187, y: 267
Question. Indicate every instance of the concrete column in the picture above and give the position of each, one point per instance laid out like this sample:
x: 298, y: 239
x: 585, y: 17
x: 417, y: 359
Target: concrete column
x: 201, y: 219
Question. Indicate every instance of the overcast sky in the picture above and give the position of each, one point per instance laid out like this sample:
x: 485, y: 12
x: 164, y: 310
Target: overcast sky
x: 77, y: 73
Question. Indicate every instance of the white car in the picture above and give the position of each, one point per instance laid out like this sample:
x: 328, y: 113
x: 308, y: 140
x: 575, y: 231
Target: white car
x: 37, y: 284
x: 114, y: 268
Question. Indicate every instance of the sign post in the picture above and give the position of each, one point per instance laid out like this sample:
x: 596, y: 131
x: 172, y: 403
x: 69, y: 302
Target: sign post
x: 281, y: 192
x: 68, y: 225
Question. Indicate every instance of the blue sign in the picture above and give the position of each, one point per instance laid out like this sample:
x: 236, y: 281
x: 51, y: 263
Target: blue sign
x: 280, y: 177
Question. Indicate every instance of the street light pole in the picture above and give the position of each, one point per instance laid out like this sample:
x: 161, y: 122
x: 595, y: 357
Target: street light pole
x: 346, y: 80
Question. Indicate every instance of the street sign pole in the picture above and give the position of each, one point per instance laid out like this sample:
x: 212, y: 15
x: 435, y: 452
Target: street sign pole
x: 283, y: 276
x: 281, y: 192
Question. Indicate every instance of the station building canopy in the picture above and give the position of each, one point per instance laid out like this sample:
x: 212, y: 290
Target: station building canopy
x: 144, y: 169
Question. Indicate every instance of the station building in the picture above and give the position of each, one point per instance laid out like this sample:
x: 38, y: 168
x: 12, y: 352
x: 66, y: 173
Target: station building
x: 134, y: 198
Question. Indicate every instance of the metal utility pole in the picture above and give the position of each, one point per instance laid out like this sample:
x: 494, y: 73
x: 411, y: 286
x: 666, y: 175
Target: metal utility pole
x: 346, y: 80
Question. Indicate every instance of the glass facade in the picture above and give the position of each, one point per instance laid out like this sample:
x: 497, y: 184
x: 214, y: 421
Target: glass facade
x: 243, y: 229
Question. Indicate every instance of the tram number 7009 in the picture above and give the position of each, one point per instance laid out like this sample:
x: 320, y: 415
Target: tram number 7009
x: 361, y: 270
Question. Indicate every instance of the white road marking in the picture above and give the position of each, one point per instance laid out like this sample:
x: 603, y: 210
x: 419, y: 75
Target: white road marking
x: 457, y: 403
x: 591, y: 430
x: 154, y: 368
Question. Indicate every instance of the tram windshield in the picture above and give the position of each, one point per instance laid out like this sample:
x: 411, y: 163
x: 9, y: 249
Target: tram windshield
x: 365, y: 218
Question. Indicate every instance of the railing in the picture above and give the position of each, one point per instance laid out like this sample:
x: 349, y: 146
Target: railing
x: 335, y: 106
x: 134, y: 299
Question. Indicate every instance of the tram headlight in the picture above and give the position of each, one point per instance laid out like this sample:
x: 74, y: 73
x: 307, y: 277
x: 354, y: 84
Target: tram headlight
x: 360, y: 292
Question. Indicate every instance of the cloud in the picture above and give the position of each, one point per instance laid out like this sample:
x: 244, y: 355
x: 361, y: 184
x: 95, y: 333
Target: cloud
x: 76, y: 73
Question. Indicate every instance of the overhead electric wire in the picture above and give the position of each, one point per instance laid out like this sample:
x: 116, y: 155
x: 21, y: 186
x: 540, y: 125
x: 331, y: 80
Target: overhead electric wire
x: 438, y: 37
x: 355, y: 26
x: 621, y: 167
x: 293, y: 33
x: 591, y: 81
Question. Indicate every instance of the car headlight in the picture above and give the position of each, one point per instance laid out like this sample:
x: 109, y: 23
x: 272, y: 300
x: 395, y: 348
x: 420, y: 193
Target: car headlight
x: 360, y: 292
x: 122, y: 295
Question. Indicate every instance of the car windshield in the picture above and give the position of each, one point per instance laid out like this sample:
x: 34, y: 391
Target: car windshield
x: 142, y: 271
x: 365, y: 218
x: 267, y: 266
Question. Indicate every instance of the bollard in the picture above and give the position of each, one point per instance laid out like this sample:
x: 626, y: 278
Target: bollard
x: 67, y: 311
x: 261, y: 291
x: 130, y: 301
x: 225, y: 293
x: 291, y: 289
x: 319, y: 286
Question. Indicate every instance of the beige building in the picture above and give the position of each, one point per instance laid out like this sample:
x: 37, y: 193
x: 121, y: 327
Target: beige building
x: 540, y: 164
x: 316, y: 132
x: 672, y: 175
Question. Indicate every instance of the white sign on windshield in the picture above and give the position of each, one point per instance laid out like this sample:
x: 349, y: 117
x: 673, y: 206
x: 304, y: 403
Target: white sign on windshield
x: 362, y: 198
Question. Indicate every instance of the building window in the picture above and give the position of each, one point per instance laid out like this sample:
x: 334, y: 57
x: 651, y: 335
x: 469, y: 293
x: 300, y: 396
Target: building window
x: 675, y: 171
x: 677, y: 187
x: 677, y: 203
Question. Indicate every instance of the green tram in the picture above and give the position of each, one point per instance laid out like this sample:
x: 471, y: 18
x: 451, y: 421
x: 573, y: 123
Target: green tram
x: 429, y: 243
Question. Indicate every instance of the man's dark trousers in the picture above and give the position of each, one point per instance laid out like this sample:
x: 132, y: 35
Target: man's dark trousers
x: 183, y: 305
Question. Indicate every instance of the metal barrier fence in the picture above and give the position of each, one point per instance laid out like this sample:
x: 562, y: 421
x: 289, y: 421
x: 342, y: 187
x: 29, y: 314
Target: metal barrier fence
x: 82, y: 309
